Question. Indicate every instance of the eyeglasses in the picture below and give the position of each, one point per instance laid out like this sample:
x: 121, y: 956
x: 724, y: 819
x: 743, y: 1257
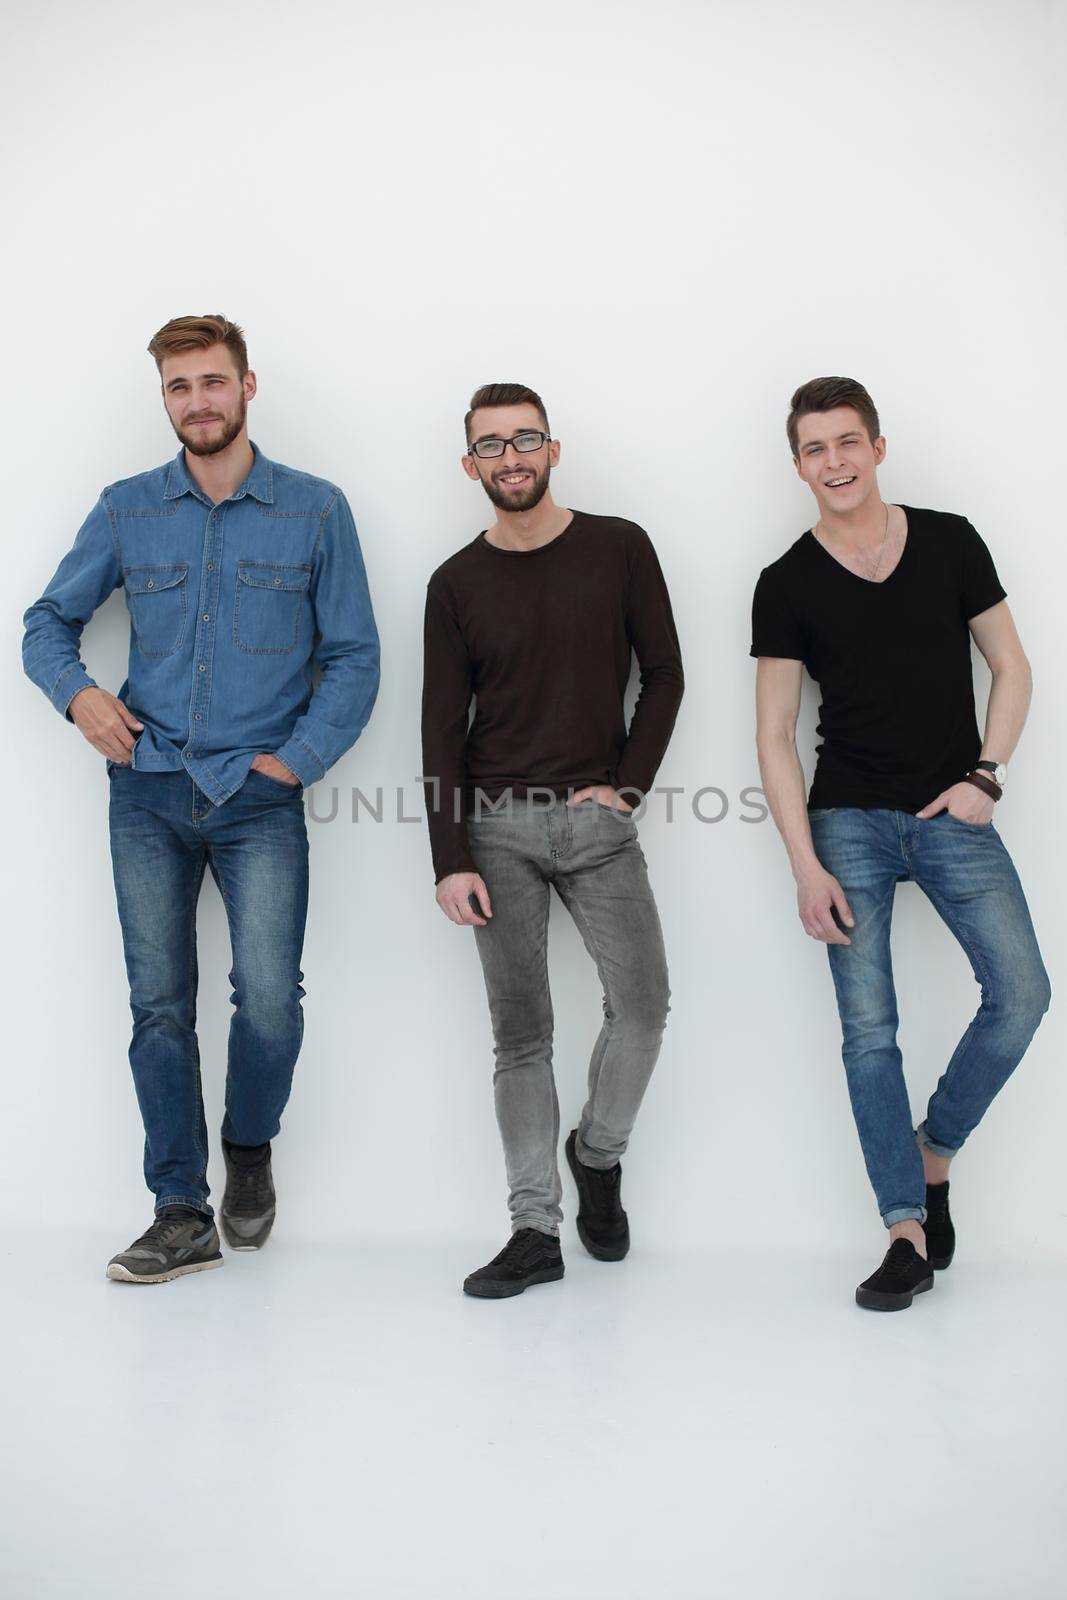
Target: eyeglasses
x: 523, y: 442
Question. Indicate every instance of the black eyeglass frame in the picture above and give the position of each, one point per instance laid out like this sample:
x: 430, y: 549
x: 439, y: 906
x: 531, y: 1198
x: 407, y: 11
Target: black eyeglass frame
x: 476, y: 448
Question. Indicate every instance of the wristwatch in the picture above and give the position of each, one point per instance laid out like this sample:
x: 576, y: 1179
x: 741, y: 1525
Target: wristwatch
x: 997, y: 770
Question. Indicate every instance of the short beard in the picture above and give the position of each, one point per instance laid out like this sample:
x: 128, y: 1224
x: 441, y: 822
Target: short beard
x: 533, y: 496
x: 200, y: 447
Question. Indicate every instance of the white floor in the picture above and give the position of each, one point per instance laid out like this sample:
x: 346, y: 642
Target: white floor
x: 339, y: 1421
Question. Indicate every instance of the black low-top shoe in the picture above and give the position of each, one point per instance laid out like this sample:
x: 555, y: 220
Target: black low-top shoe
x: 180, y: 1240
x: 940, y: 1234
x: 528, y: 1257
x: 247, y: 1210
x: 603, y: 1226
x: 902, y: 1275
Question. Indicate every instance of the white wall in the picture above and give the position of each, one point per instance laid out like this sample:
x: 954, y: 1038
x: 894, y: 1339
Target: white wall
x: 663, y: 217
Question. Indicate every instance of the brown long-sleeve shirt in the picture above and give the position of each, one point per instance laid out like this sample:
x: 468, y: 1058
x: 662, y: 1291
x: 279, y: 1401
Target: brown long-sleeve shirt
x: 541, y: 640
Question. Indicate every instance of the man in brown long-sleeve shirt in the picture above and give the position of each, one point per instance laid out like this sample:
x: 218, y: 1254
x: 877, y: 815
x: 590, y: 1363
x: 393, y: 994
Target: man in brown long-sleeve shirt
x: 536, y: 620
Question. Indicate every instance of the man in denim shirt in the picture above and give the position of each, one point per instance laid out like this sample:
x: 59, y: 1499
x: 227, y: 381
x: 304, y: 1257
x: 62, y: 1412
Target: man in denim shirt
x: 240, y: 576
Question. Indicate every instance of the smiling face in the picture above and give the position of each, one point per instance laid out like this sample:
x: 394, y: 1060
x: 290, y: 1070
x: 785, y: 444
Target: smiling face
x: 518, y: 479
x: 837, y: 459
x: 206, y: 399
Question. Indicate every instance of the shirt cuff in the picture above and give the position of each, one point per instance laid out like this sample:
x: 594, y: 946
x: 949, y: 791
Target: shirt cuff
x: 467, y: 866
x: 70, y: 683
x: 629, y: 787
x: 301, y: 760
x: 452, y: 855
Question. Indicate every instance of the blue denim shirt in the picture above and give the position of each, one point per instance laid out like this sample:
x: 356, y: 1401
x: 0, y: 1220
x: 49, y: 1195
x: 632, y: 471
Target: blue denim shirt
x: 231, y: 605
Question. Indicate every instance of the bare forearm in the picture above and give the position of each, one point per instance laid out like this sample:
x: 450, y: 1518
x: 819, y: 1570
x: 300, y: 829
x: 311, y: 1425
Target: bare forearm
x: 785, y: 789
x: 1009, y: 703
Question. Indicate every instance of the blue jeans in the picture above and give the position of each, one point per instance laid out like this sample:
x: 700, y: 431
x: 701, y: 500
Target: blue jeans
x: 164, y: 832
x: 968, y: 876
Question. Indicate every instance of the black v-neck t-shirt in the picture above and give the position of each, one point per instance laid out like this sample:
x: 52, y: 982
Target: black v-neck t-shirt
x: 892, y: 659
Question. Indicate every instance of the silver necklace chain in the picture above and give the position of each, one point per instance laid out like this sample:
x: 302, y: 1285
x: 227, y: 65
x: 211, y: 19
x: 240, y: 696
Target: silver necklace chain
x: 871, y: 576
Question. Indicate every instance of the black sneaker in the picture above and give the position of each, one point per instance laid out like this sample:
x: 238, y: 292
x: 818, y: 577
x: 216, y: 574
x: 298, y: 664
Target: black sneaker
x: 247, y: 1210
x: 603, y: 1226
x: 940, y: 1234
x: 902, y: 1274
x: 180, y: 1240
x: 528, y: 1257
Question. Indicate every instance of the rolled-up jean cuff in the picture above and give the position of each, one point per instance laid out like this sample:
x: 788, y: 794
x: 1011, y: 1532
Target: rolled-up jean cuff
x: 930, y: 1144
x: 183, y: 1200
x: 904, y: 1214
x: 539, y: 1225
x: 593, y: 1158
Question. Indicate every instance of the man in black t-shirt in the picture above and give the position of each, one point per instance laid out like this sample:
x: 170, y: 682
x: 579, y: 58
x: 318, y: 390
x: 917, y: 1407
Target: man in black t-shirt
x: 880, y: 603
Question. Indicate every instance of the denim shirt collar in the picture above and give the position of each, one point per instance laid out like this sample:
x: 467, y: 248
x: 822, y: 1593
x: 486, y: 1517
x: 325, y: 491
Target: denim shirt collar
x: 259, y: 483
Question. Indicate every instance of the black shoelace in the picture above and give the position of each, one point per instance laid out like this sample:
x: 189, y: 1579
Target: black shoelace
x: 252, y: 1187
x: 608, y: 1197
x: 161, y: 1232
x: 521, y: 1249
x: 899, y: 1263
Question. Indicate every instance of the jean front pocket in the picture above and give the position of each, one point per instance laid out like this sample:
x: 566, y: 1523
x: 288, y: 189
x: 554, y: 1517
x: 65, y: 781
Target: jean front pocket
x: 267, y: 606
x: 965, y: 823
x: 278, y: 783
x: 158, y: 601
x: 616, y: 811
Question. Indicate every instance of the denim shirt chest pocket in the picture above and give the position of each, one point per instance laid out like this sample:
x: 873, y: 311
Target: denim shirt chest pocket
x: 158, y: 601
x: 268, y: 604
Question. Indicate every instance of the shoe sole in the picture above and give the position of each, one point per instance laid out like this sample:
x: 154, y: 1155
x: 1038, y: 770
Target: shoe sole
x: 878, y: 1300
x: 119, y: 1274
x: 599, y: 1252
x: 939, y: 1263
x: 488, y: 1289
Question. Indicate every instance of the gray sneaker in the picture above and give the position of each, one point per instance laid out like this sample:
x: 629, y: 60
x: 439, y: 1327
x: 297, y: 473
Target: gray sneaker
x: 176, y: 1243
x: 247, y: 1210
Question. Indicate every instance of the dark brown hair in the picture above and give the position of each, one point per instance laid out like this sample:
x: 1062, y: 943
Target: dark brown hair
x: 199, y: 333
x: 826, y: 394
x: 504, y: 394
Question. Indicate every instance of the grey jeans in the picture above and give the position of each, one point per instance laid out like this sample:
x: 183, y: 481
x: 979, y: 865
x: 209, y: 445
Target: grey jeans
x: 590, y: 855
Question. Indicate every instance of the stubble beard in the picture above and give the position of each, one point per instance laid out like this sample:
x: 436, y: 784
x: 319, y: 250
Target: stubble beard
x: 212, y: 447
x: 526, y: 500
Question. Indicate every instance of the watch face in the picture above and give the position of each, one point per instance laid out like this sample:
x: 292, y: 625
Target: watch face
x: 1000, y: 772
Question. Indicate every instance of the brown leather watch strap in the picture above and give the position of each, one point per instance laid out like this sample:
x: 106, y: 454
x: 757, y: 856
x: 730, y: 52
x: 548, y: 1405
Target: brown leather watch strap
x: 986, y: 784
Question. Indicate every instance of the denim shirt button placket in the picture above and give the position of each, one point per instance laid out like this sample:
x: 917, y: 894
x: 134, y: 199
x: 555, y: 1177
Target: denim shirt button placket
x: 201, y: 689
